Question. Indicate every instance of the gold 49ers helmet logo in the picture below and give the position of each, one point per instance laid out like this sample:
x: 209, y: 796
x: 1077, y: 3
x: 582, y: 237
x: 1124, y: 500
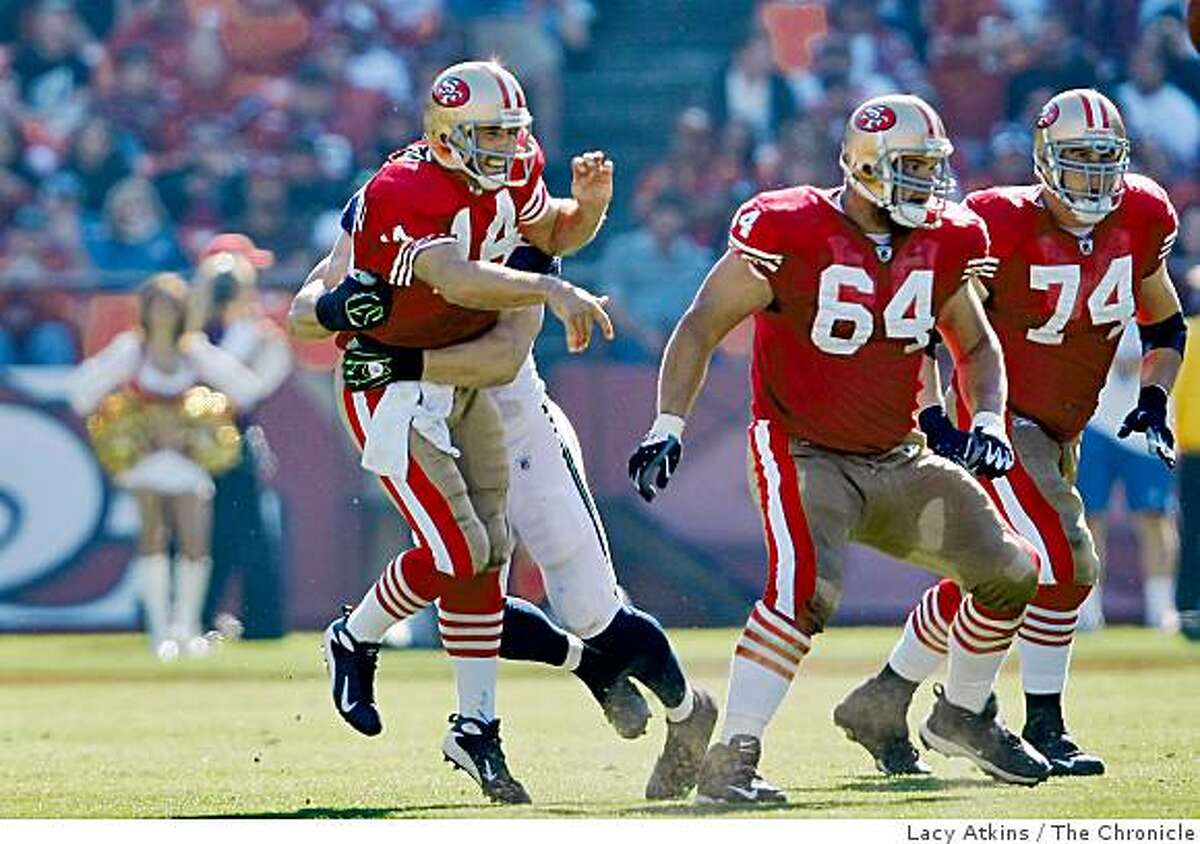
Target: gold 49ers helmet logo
x: 451, y: 92
x: 1048, y: 116
x: 875, y: 118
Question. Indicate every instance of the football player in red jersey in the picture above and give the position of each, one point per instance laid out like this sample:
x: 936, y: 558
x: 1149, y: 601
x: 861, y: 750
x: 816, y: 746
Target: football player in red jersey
x: 1081, y: 253
x: 845, y: 286
x: 430, y: 234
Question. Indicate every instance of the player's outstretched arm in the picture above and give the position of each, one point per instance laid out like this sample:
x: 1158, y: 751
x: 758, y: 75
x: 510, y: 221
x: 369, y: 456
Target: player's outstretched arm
x: 977, y: 355
x: 484, y: 285
x: 490, y: 360
x: 1164, y: 337
x: 731, y: 292
x: 571, y: 224
x: 302, y: 316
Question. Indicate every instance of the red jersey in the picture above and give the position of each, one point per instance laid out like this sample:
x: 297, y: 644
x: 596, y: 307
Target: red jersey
x: 1059, y: 302
x: 413, y: 203
x: 837, y: 355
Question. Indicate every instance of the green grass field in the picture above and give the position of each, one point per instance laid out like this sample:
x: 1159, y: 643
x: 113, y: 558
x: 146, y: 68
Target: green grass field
x: 92, y: 726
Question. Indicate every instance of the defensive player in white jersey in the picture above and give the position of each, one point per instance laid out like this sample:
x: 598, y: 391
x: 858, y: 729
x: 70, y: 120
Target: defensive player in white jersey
x: 550, y: 505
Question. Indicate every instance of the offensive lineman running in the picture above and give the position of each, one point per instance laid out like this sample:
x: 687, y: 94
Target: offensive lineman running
x: 430, y: 223
x: 845, y: 286
x: 550, y: 506
x: 1081, y: 253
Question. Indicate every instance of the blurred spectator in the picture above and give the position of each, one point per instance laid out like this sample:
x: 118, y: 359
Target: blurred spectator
x: 135, y: 102
x: 96, y: 162
x: 262, y: 37
x: 690, y: 172
x: 970, y: 53
x: 244, y: 545
x: 16, y: 183
x: 1158, y: 113
x: 751, y: 92
x: 652, y: 273
x: 877, y: 50
x: 831, y: 74
x: 133, y: 233
x: 1057, y: 63
x: 51, y: 67
x: 1185, y: 258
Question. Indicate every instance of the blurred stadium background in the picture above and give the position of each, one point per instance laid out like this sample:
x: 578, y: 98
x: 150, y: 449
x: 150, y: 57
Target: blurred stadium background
x: 133, y: 131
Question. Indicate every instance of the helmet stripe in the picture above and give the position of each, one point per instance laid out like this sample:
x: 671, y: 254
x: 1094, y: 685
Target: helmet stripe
x: 1103, y: 112
x: 504, y: 88
x: 929, y: 121
x: 1087, y: 111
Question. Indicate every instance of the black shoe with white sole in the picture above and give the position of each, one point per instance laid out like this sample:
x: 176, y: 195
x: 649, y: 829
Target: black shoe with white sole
x: 730, y: 774
x: 473, y: 746
x: 1066, y: 758
x: 351, y: 665
x: 954, y: 731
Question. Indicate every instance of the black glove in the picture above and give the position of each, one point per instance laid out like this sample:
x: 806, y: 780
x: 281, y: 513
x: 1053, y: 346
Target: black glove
x: 988, y: 453
x: 654, y: 461
x: 357, y: 304
x: 366, y: 368
x: 1150, y: 418
x: 944, y: 437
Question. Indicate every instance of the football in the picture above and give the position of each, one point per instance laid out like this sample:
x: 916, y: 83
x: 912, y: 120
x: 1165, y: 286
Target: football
x: 1193, y: 21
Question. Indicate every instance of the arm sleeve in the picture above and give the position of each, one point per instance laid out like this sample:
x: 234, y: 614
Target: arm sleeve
x: 533, y: 198
x: 392, y: 226
x: 1164, y: 227
x: 350, y: 212
x: 754, y: 236
x: 104, y: 372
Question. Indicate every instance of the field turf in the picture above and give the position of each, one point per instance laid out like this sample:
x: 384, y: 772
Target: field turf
x: 92, y: 726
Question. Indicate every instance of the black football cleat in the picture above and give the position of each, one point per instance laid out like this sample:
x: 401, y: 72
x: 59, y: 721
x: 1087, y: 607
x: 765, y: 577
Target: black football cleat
x: 678, y: 766
x: 730, y: 774
x: 1049, y: 736
x: 351, y: 665
x: 626, y: 709
x: 474, y: 746
x: 983, y: 738
x: 875, y: 715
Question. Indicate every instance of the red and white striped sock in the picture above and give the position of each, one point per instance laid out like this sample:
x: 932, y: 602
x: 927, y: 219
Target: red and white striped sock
x: 764, y: 662
x: 404, y: 588
x: 471, y: 621
x: 924, y: 643
x: 979, y: 641
x: 1045, y: 648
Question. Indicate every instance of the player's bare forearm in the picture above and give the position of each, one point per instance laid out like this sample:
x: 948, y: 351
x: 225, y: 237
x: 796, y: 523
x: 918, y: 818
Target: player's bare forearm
x: 490, y: 360
x: 731, y: 292
x: 329, y: 271
x: 684, y: 367
x: 1161, y: 367
x: 570, y: 226
x: 931, y: 387
x: 480, y: 284
x: 984, y: 384
x: 302, y: 316
x: 975, y: 350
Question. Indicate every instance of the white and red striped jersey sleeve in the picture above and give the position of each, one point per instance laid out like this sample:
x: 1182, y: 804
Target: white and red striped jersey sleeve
x: 753, y: 236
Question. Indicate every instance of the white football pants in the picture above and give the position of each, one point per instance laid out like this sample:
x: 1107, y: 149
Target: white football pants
x: 552, y: 511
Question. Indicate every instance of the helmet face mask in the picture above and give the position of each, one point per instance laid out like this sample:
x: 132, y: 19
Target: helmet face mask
x: 1081, y: 154
x: 896, y: 154
x: 494, y: 167
x: 1088, y: 176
